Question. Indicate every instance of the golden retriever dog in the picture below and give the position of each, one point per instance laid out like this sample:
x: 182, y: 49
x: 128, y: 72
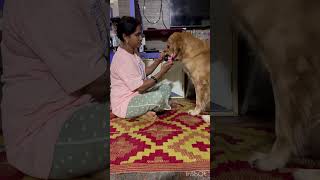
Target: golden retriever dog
x: 194, y: 54
x: 287, y: 36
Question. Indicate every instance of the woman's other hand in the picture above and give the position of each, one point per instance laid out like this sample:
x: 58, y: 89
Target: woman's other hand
x: 166, y: 66
x: 161, y: 57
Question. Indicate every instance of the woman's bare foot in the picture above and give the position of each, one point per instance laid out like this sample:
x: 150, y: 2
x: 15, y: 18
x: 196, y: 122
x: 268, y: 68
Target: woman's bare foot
x: 151, y: 114
x: 174, y: 104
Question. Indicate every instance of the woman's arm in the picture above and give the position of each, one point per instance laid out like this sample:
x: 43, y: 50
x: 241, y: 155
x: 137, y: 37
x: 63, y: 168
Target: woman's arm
x: 154, y: 65
x: 151, y: 82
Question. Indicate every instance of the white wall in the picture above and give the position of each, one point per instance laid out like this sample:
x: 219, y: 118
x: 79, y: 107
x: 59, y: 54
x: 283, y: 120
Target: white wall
x: 124, y: 7
x: 115, y: 7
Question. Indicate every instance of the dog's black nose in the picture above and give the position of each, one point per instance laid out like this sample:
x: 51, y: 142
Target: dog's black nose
x: 166, y: 57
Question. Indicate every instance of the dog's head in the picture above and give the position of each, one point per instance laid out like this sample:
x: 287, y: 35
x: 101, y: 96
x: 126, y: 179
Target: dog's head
x: 175, y: 46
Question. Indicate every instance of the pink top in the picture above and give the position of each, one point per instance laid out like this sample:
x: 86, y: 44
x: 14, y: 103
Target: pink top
x: 127, y: 73
x: 40, y: 71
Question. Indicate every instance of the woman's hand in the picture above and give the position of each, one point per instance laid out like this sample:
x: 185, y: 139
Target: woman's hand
x: 155, y: 64
x: 161, y: 58
x: 166, y: 66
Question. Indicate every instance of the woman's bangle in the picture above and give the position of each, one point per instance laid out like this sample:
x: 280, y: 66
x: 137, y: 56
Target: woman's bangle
x: 155, y: 79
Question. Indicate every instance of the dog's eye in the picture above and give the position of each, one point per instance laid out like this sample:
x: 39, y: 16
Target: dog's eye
x: 168, y: 46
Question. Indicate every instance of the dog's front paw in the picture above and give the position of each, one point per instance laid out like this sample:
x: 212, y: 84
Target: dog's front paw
x: 194, y: 112
x: 265, y: 162
x: 256, y: 156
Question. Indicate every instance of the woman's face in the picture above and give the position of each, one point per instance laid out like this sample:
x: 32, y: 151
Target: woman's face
x: 134, y: 40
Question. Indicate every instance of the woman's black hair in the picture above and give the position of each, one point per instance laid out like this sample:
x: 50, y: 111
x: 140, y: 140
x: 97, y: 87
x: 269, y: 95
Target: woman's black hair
x: 115, y: 21
x: 127, y: 25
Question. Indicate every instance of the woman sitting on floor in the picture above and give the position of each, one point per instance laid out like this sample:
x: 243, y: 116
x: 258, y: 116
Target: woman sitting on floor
x: 132, y: 93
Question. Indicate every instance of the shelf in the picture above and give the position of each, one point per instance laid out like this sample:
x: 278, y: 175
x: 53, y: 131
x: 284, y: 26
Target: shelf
x: 149, y: 55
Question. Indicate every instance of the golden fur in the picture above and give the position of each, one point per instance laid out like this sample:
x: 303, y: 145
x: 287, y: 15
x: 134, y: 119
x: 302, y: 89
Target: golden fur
x: 287, y: 36
x: 194, y: 54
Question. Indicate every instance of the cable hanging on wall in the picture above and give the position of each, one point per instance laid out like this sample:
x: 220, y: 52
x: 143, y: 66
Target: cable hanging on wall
x: 160, y: 14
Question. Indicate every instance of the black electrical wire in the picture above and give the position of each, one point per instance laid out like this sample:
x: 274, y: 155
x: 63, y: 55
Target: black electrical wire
x: 144, y: 6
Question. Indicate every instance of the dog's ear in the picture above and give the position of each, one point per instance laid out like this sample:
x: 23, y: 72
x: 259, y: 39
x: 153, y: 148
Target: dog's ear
x: 179, y: 43
x: 175, y: 42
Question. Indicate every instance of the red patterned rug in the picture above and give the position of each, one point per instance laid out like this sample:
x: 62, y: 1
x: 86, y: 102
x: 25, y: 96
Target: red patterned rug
x: 175, y: 142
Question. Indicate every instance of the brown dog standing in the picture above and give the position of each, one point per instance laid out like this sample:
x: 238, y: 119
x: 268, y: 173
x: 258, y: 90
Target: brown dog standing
x: 194, y: 54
